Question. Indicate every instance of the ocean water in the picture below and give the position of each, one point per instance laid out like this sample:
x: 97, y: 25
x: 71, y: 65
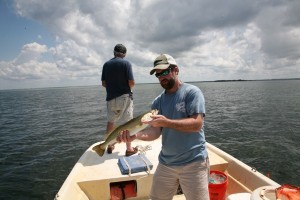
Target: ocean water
x: 43, y: 132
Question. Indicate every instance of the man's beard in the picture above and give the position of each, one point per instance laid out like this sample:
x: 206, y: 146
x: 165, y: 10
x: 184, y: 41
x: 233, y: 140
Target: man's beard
x: 168, y: 84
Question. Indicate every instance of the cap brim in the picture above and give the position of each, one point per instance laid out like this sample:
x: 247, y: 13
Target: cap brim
x: 163, y: 66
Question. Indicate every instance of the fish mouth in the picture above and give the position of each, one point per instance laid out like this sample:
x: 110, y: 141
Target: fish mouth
x: 147, y: 117
x: 154, y: 112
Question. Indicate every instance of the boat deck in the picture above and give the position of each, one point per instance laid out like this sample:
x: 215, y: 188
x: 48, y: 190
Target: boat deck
x: 96, y: 173
x: 92, y: 176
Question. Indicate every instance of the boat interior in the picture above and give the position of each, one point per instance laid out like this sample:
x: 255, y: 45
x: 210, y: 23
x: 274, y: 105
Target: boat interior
x: 94, y: 177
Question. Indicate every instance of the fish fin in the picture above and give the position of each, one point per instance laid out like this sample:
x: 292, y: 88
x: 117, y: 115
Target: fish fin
x: 99, y: 149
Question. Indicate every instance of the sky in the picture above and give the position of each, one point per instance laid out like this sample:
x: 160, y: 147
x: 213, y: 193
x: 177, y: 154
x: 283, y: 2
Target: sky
x: 58, y: 43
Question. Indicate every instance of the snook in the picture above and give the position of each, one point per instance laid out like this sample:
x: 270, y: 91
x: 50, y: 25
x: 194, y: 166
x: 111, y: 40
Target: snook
x: 134, y: 125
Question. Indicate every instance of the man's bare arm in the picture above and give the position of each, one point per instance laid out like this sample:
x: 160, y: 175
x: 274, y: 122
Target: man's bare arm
x: 103, y: 83
x: 131, y: 83
x: 192, y: 124
x: 147, y: 134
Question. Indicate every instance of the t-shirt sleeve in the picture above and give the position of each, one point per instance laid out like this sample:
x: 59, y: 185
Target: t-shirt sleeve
x: 195, y: 102
x: 129, y: 71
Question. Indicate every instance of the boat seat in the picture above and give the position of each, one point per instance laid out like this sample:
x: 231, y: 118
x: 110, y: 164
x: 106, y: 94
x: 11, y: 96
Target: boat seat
x: 217, y: 162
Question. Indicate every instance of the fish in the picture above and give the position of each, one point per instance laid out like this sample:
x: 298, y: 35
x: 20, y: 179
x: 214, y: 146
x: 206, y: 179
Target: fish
x: 134, y: 125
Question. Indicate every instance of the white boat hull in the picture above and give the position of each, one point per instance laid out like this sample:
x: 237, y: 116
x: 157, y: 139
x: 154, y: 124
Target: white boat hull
x: 92, y: 175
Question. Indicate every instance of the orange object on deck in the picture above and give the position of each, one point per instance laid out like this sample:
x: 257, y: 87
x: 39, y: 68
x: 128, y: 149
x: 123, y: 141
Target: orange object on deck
x: 217, y: 190
x: 122, y: 190
x: 288, y: 192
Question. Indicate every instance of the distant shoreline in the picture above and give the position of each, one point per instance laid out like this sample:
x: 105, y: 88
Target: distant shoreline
x: 232, y: 80
x: 235, y: 80
x: 279, y: 79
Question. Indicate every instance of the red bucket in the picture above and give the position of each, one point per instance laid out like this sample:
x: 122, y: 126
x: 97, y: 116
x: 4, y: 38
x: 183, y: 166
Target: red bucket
x: 218, y: 182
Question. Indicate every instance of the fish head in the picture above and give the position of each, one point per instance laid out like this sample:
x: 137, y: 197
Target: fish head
x: 154, y: 112
x: 147, y: 116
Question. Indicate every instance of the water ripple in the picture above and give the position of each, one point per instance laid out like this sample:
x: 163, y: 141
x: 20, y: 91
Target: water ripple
x: 45, y: 131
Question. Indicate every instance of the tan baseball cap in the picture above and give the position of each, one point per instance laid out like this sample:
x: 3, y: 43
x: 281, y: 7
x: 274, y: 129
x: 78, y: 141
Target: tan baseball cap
x: 163, y: 61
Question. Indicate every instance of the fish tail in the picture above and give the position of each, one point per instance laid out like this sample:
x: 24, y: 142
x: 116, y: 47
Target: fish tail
x: 100, y: 149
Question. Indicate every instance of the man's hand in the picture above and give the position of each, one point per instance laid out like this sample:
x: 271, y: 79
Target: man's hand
x: 124, y: 136
x: 157, y: 121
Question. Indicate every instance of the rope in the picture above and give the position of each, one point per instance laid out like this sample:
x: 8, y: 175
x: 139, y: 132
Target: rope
x: 143, y: 149
x: 148, y: 167
x: 127, y: 164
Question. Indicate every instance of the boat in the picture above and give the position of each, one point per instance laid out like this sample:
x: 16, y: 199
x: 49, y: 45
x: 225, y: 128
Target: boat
x: 94, y: 177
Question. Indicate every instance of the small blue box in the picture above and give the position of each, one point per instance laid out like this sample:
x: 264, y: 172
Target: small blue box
x: 136, y: 163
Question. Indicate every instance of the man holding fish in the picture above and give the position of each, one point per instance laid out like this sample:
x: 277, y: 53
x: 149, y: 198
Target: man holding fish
x: 183, y: 158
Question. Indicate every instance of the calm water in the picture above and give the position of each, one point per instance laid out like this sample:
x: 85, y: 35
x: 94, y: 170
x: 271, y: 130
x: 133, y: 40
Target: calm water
x: 43, y: 132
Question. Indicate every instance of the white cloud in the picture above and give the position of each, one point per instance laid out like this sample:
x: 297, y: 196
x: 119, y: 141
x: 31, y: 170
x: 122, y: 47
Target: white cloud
x: 29, y: 65
x: 70, y: 56
x: 30, y: 52
x: 210, y: 39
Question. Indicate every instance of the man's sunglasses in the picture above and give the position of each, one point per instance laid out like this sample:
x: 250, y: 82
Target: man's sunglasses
x: 163, y: 73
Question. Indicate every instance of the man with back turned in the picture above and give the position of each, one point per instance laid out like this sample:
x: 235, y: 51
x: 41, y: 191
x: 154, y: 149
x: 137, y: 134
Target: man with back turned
x: 117, y: 78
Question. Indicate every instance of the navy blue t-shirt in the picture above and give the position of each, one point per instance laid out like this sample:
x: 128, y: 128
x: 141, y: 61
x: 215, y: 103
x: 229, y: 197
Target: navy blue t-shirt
x: 116, y: 72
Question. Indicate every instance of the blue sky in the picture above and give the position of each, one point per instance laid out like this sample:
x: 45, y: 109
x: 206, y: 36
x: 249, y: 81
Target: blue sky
x: 17, y: 31
x: 55, y: 43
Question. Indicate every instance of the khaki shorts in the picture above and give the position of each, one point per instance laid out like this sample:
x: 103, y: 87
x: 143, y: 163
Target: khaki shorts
x: 193, y: 179
x: 120, y: 109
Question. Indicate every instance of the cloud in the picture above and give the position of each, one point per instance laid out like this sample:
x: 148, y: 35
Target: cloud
x: 28, y: 65
x: 280, y: 30
x: 71, y: 62
x: 211, y: 39
x: 30, y: 52
x: 73, y: 57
